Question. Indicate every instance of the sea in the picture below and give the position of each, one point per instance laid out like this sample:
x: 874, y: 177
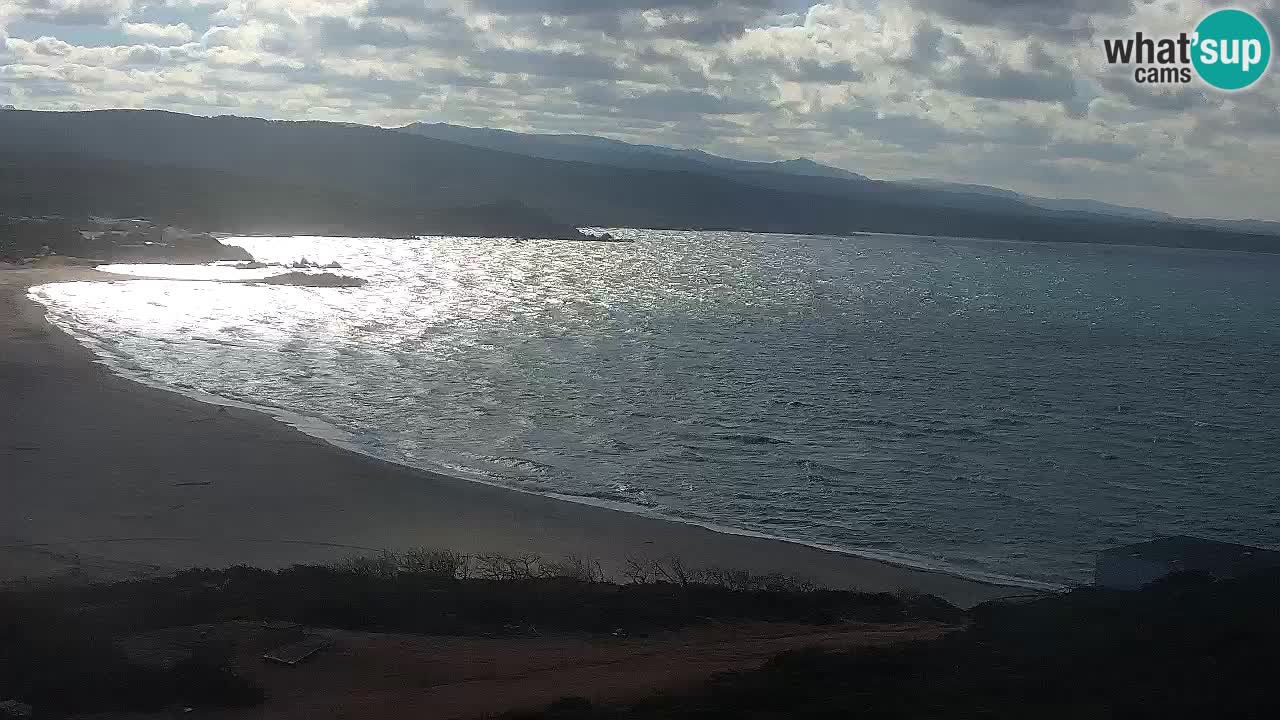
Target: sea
x: 998, y: 410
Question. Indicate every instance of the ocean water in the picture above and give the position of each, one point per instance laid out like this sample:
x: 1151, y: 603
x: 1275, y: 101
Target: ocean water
x: 995, y: 409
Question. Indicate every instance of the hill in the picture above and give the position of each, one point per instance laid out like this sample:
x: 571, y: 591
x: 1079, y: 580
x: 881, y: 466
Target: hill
x: 77, y: 186
x: 363, y: 174
x: 604, y: 151
x: 1095, y: 207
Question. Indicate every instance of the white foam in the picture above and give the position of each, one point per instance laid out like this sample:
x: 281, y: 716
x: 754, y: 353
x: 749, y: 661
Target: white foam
x: 340, y: 438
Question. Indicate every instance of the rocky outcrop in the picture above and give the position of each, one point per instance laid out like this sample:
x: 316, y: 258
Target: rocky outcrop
x: 169, y: 245
x: 118, y: 241
x: 603, y: 237
x: 321, y: 280
x: 27, y: 237
x: 305, y: 264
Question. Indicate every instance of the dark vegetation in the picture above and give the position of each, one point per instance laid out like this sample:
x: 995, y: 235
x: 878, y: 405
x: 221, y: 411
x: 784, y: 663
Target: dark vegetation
x: 1187, y: 647
x: 59, y: 645
x: 439, y: 592
x: 77, y: 186
x: 248, y: 175
x: 58, y: 662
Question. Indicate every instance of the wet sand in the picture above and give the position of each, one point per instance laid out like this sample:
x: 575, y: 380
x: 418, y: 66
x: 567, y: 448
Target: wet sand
x: 104, y: 477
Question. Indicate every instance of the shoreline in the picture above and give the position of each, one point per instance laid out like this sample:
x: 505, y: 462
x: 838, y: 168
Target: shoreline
x: 201, y: 484
x: 339, y: 438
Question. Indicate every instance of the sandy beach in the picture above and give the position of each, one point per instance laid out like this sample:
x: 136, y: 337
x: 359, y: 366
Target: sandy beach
x: 105, y: 477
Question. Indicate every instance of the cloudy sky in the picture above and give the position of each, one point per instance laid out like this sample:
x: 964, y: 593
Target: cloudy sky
x: 1011, y: 93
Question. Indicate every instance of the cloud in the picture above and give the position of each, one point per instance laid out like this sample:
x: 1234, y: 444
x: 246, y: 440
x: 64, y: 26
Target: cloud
x: 1154, y: 96
x: 174, y: 34
x: 1012, y: 93
x: 418, y: 10
x: 70, y: 12
x: 1063, y: 20
x: 929, y: 46
x: 549, y: 63
x: 1102, y: 151
x: 351, y: 32
x: 667, y: 104
x: 588, y: 7
x: 697, y: 21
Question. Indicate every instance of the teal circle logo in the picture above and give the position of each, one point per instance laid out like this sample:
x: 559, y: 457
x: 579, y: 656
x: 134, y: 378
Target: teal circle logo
x: 1232, y: 49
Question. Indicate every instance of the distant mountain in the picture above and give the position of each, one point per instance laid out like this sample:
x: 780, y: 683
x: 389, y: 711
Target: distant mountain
x: 1064, y: 205
x: 805, y: 166
x: 1096, y: 207
x: 605, y: 151
x: 1264, y: 227
x: 234, y: 172
x: 964, y: 188
x: 78, y: 186
x: 798, y: 175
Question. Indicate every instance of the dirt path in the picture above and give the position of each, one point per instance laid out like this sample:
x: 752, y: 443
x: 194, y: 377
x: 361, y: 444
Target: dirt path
x: 372, y: 676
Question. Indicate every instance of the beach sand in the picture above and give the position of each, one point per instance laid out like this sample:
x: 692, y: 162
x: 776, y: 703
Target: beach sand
x: 104, y: 477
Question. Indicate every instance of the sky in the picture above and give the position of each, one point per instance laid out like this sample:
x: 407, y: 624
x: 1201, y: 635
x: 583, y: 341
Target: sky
x: 1009, y: 93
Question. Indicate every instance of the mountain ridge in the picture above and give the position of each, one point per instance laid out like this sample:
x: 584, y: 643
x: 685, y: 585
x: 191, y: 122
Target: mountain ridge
x: 601, y: 150
x: 410, y: 176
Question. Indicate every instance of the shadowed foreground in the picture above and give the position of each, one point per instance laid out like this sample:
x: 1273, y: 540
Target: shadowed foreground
x: 405, y: 638
x: 1187, y: 647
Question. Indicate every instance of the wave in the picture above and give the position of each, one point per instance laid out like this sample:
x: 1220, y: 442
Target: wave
x: 332, y: 434
x: 749, y: 439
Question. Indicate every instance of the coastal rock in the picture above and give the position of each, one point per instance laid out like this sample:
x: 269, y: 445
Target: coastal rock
x: 305, y: 264
x: 300, y: 279
x: 173, y: 246
x: 26, y: 237
x: 604, y: 237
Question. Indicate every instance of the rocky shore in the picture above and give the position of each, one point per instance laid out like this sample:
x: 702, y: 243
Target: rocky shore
x: 111, y: 241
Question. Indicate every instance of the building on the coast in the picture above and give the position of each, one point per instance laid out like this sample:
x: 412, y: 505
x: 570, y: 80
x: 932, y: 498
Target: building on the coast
x: 1130, y: 567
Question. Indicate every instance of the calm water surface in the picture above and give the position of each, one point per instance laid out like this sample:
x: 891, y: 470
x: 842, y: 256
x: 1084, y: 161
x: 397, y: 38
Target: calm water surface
x: 994, y: 409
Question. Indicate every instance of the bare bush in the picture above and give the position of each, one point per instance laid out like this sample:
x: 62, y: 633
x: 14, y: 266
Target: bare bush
x: 507, y: 567
x: 574, y: 567
x: 745, y: 581
x: 670, y: 569
x: 437, y: 563
x: 382, y: 565
x: 637, y: 572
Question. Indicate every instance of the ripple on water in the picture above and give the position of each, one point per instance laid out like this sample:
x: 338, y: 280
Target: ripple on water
x: 998, y: 409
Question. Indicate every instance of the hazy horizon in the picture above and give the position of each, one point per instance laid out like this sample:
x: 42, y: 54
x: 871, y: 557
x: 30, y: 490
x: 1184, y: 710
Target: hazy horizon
x: 1013, y: 95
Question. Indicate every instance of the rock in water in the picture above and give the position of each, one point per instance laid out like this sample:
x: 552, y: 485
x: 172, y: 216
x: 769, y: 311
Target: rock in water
x: 300, y: 279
